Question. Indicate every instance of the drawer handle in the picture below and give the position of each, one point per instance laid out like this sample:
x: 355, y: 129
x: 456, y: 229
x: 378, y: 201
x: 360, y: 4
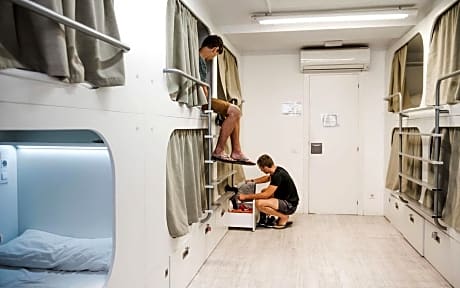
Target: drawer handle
x: 435, y: 236
x: 396, y: 205
x: 411, y: 218
x: 186, y: 252
x: 207, y: 229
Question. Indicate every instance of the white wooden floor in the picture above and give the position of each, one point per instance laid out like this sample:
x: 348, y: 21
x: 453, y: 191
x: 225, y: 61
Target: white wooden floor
x: 318, y: 251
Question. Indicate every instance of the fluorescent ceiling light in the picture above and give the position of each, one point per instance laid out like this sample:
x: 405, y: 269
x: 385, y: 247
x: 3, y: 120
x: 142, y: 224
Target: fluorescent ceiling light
x: 335, y: 16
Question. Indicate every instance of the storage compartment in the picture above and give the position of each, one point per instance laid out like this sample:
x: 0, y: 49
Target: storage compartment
x: 242, y: 219
x: 438, y: 251
x: 395, y: 211
x: 387, y: 206
x: 214, y: 230
x: 413, y: 229
x: 188, y: 257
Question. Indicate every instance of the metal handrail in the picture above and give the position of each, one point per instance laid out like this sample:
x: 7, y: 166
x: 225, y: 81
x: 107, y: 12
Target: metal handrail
x: 48, y: 13
x: 421, y: 134
x: 182, y: 73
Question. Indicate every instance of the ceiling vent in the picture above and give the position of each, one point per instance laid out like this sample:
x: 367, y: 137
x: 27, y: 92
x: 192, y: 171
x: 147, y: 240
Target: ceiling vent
x: 334, y: 59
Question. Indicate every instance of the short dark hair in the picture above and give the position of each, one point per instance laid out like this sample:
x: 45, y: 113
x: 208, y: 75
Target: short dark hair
x: 213, y: 41
x: 265, y: 161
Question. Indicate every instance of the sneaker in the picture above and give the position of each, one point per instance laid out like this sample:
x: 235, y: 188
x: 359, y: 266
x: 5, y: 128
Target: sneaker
x: 271, y: 221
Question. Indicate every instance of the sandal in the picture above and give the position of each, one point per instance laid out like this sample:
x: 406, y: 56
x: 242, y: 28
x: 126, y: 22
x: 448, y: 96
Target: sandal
x: 223, y: 158
x: 244, y: 161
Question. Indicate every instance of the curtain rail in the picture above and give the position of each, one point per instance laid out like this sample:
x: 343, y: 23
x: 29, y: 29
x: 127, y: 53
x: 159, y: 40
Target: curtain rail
x: 180, y: 72
x: 39, y: 9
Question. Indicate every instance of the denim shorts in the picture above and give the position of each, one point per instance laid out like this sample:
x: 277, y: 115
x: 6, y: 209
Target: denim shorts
x: 286, y: 207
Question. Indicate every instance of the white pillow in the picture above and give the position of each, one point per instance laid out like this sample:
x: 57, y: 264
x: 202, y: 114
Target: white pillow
x: 43, y: 250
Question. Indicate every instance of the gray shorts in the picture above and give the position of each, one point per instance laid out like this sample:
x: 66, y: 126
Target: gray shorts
x: 286, y: 207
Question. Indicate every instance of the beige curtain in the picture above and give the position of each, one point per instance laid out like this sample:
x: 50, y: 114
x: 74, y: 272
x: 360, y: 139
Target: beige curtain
x: 185, y: 192
x: 449, y: 197
x: 229, y: 88
x: 412, y: 145
x: 398, y: 79
x: 229, y: 80
x: 182, y: 53
x: 34, y: 42
x: 444, y: 57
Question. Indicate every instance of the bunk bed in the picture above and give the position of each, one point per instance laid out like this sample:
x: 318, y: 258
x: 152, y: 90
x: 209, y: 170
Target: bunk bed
x: 40, y: 259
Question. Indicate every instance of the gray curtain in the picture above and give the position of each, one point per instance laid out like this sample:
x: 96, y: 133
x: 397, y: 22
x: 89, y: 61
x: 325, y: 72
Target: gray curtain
x: 182, y: 53
x: 33, y: 42
x: 185, y: 192
x: 412, y: 145
x: 444, y: 57
x: 398, y: 79
x: 449, y: 197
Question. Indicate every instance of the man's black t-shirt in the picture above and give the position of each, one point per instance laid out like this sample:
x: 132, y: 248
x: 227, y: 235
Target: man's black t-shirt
x: 286, y: 188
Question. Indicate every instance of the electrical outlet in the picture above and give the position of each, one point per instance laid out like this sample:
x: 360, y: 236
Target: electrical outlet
x: 371, y: 196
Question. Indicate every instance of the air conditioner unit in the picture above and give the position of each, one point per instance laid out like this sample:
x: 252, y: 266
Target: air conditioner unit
x: 333, y: 59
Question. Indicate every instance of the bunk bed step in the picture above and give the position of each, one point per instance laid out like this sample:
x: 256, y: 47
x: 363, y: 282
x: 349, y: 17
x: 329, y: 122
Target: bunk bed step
x: 420, y: 134
x: 417, y: 181
x: 434, y: 162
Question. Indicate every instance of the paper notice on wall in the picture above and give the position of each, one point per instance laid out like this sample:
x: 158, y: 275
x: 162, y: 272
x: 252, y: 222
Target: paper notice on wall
x: 291, y: 108
x: 329, y: 120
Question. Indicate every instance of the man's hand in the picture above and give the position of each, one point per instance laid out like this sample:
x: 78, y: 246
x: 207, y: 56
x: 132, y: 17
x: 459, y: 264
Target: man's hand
x: 243, y: 197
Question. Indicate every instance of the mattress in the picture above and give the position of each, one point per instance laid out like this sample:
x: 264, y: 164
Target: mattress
x: 12, y: 277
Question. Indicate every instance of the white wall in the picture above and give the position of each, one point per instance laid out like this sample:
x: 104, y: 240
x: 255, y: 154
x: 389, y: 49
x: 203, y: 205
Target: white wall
x: 270, y: 80
x: 267, y: 81
x: 372, y: 90
x: 9, y: 196
x: 66, y: 191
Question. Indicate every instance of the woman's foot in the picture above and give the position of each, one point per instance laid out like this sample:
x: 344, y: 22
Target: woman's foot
x: 240, y: 158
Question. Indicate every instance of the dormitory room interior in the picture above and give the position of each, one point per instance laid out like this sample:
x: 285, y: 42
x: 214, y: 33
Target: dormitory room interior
x: 242, y: 144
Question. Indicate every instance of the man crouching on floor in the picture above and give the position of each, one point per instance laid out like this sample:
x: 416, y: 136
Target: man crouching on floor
x: 280, y: 198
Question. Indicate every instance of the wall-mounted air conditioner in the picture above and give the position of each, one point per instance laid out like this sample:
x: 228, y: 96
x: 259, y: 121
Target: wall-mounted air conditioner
x: 333, y: 59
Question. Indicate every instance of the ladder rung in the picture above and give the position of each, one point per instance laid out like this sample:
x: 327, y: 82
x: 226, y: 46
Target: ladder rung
x: 208, y: 111
x: 209, y: 186
x: 417, y: 181
x: 209, y: 161
x: 223, y: 177
x: 434, y: 162
x: 418, y: 109
x: 208, y: 136
x: 420, y: 134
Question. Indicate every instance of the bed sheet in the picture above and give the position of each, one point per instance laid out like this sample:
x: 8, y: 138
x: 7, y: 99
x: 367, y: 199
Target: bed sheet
x: 11, y: 277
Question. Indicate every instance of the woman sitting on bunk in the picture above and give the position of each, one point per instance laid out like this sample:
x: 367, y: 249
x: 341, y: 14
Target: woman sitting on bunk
x: 211, y: 46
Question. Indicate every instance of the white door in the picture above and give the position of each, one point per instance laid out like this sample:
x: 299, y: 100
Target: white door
x: 334, y: 138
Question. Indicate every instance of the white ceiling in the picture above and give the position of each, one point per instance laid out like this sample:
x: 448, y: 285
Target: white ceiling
x: 233, y: 20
